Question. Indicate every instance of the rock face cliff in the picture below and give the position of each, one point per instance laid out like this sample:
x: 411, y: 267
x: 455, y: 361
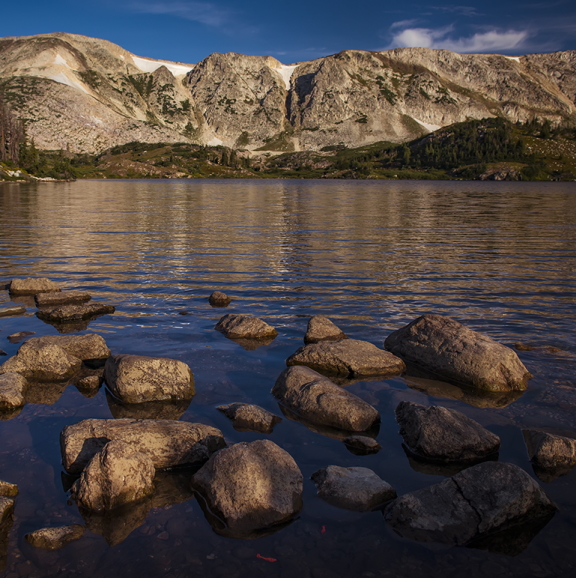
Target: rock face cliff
x: 86, y: 95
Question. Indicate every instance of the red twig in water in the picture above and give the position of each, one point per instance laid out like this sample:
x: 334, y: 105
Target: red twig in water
x: 267, y: 559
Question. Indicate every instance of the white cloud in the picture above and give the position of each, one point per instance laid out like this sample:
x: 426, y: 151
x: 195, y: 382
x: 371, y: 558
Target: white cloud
x: 490, y: 41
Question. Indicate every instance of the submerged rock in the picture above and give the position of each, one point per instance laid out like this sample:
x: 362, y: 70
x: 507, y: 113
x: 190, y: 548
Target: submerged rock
x: 445, y: 435
x: 7, y: 489
x: 219, y: 299
x: 55, y: 538
x: 167, y: 443
x: 16, y: 337
x: 362, y: 445
x: 320, y: 328
x: 315, y: 398
x: 115, y: 476
x: 137, y: 379
x: 448, y: 349
x: 251, y: 486
x: 90, y: 383
x: 485, y: 498
x: 61, y: 298
x: 349, y: 357
x: 171, y: 410
x: 85, y: 347
x: 548, y: 450
x: 244, y: 327
x: 12, y: 391
x: 12, y: 311
x: 68, y: 313
x: 46, y: 363
x: 357, y: 489
x: 32, y: 286
x: 250, y: 417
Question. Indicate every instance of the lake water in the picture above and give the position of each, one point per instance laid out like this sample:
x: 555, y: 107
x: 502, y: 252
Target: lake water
x: 498, y: 257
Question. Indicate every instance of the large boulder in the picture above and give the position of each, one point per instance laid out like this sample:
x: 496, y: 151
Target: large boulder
x: 442, y: 434
x: 32, y: 286
x: 116, y: 475
x: 446, y: 348
x: 244, y: 327
x: 319, y: 400
x: 357, y: 489
x: 56, y: 537
x: 61, y: 298
x: 12, y: 311
x: 137, y: 379
x: 550, y: 451
x: 70, y: 313
x: 47, y: 363
x: 251, y: 486
x: 349, y: 357
x: 480, y: 500
x: 12, y: 389
x: 85, y: 347
x: 7, y: 489
x: 320, y: 328
x: 246, y: 417
x: 167, y: 443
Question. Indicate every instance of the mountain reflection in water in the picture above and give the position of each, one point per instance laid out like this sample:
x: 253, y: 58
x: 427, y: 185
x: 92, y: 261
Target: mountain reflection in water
x: 372, y: 256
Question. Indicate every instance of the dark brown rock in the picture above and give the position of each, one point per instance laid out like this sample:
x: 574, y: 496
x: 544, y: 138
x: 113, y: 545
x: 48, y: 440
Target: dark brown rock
x: 32, y: 286
x: 547, y: 450
x: 450, y: 350
x: 8, y: 490
x: 362, y: 445
x: 167, y: 443
x: 16, y: 337
x: 250, y: 417
x: 219, y: 299
x: 70, y: 313
x: 85, y: 347
x: 117, y: 475
x: 12, y: 391
x: 446, y: 435
x: 55, y: 538
x: 12, y: 311
x: 349, y: 357
x: 251, y: 486
x: 485, y: 498
x: 357, y: 489
x: 61, y: 298
x: 137, y: 379
x: 244, y: 327
x: 316, y: 398
x: 320, y: 328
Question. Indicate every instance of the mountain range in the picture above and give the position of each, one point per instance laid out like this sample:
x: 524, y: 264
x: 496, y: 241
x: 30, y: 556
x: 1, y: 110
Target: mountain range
x: 85, y: 95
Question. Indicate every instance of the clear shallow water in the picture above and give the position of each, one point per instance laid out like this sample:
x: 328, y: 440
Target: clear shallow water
x: 499, y: 257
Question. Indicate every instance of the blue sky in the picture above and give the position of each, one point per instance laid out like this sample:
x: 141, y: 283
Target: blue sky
x: 188, y: 31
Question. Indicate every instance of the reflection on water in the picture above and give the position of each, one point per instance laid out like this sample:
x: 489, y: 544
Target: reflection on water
x: 499, y: 257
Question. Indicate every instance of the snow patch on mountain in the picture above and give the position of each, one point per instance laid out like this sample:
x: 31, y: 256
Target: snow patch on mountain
x: 64, y: 79
x: 214, y: 142
x: 147, y: 65
x: 60, y: 60
x: 286, y: 73
x: 516, y: 58
x: 427, y: 125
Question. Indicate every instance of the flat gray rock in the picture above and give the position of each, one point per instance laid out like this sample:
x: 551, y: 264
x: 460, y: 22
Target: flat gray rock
x: 244, y: 327
x: 445, y: 435
x: 46, y: 363
x: 219, y: 299
x: 349, y: 357
x: 167, y: 443
x: 32, y: 286
x: 61, y: 298
x: 12, y: 311
x: 320, y: 328
x: 358, y: 489
x: 12, y: 391
x: 138, y: 379
x: 117, y: 475
x: 90, y: 346
x: 251, y: 486
x: 70, y: 313
x: 362, y: 445
x: 446, y: 348
x: 55, y: 538
x: 317, y: 399
x: 478, y: 501
x: 548, y: 450
x: 246, y: 417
